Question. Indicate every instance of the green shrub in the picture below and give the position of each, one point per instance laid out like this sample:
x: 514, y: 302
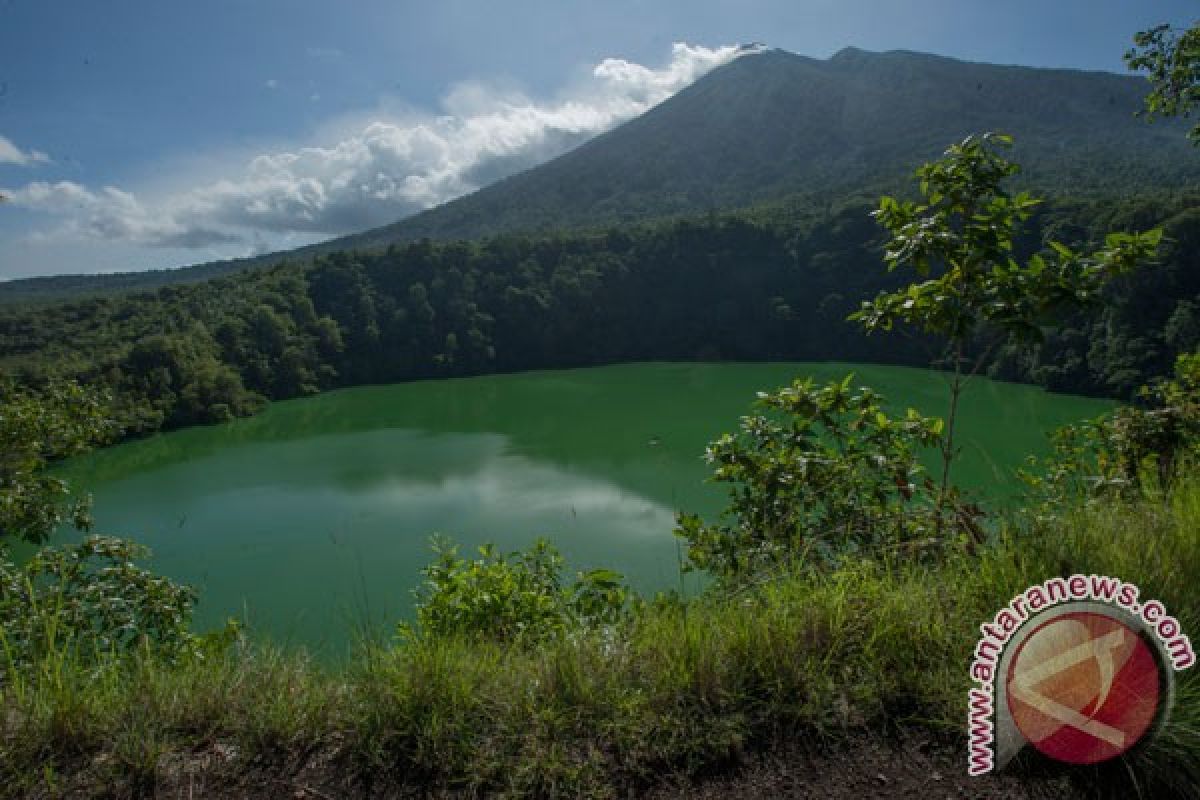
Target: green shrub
x: 36, y: 428
x: 1129, y: 449
x: 90, y: 601
x: 820, y: 473
x: 519, y: 596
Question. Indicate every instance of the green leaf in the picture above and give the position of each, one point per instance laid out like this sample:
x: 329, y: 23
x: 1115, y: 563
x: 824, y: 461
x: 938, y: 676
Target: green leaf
x: 1063, y: 251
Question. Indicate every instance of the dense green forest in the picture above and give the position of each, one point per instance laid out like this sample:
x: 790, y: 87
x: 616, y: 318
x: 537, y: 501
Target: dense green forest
x: 776, y: 282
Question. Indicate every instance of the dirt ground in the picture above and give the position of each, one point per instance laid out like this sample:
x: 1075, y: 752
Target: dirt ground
x: 867, y: 768
x: 863, y: 768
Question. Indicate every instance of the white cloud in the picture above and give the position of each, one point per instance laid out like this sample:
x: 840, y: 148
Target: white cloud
x: 384, y: 169
x: 11, y: 154
x: 271, y: 83
x: 113, y: 214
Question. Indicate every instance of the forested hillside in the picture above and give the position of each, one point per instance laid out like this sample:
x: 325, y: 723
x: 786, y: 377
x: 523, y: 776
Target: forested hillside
x: 774, y: 283
x: 771, y: 126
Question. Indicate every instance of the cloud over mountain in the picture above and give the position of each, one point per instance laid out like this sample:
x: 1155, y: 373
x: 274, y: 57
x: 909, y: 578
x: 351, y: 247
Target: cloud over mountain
x: 385, y: 170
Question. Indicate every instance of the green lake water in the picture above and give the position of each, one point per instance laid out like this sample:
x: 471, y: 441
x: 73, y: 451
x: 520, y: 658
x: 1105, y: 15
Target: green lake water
x: 313, y: 518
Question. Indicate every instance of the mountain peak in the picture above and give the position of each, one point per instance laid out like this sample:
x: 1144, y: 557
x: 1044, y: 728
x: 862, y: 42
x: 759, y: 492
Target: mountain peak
x: 753, y: 48
x: 850, y: 53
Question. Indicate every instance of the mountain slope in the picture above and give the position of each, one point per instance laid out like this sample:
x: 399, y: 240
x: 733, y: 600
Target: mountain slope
x: 772, y: 124
x: 776, y: 123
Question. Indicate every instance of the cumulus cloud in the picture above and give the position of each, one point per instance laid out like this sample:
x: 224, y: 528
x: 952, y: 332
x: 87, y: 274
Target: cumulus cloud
x: 383, y: 170
x: 115, y: 215
x: 11, y: 154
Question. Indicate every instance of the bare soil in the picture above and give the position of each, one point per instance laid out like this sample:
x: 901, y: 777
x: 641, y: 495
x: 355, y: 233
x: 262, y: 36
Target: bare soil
x: 865, y: 767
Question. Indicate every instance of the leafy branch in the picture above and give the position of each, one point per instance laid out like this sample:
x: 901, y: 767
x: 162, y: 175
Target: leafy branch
x: 1171, y: 57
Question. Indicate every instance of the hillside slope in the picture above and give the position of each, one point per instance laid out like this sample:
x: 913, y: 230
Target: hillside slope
x: 774, y: 124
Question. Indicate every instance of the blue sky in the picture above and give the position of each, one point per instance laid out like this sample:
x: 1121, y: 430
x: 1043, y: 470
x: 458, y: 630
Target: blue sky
x: 136, y: 135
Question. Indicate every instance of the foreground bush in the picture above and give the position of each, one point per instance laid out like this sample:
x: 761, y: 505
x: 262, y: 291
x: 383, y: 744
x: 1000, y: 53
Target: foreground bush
x: 816, y: 473
x: 515, y: 597
x: 88, y: 602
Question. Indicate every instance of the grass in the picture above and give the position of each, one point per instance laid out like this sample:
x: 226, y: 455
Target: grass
x: 680, y: 688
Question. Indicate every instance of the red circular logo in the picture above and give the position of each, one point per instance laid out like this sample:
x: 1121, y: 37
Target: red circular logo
x: 1083, y: 688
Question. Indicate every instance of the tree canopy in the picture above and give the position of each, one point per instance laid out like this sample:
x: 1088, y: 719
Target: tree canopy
x: 1171, y: 59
